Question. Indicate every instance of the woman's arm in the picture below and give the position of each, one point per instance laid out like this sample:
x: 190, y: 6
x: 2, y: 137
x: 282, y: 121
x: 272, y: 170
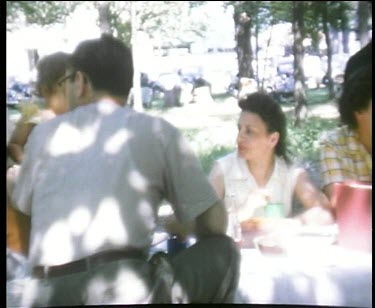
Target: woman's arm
x: 18, y: 140
x: 318, y: 207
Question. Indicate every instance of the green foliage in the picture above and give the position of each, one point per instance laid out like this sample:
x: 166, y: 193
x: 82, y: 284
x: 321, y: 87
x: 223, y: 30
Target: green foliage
x: 172, y: 23
x: 281, y: 11
x: 208, y: 157
x: 39, y: 12
x: 303, y: 141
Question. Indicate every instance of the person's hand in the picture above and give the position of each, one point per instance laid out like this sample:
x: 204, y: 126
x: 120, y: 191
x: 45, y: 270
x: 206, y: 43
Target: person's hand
x: 173, y: 227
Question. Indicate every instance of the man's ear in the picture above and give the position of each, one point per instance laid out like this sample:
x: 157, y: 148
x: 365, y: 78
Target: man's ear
x: 81, y: 84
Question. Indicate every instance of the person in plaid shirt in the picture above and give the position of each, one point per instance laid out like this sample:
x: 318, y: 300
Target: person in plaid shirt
x: 346, y: 153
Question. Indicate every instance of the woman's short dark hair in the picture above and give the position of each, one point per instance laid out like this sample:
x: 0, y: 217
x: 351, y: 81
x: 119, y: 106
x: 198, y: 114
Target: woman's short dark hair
x: 107, y: 62
x: 50, y: 69
x: 357, y: 89
x: 271, y: 113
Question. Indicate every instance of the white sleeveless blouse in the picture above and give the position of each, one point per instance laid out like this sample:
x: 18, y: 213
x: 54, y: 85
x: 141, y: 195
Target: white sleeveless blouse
x: 241, y: 185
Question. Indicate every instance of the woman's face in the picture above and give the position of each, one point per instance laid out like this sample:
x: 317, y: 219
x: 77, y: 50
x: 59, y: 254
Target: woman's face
x: 254, y: 142
x: 57, y: 101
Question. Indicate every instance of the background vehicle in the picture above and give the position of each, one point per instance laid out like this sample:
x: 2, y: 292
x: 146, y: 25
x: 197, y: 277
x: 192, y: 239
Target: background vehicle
x: 18, y: 92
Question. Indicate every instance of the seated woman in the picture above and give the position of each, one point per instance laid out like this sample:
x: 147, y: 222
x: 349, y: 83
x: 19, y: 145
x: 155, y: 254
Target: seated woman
x: 259, y: 172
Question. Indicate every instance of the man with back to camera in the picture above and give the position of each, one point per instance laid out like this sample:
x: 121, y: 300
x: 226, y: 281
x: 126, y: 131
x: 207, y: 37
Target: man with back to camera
x: 346, y: 153
x: 92, y: 181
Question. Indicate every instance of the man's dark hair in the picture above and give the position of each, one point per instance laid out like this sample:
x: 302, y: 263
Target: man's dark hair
x: 107, y: 62
x: 271, y: 113
x: 357, y: 89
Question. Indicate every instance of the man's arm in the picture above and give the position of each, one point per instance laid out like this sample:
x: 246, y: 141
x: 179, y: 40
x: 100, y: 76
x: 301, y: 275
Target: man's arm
x: 328, y: 190
x: 212, y: 221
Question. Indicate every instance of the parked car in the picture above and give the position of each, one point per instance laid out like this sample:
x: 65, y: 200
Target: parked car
x: 18, y: 92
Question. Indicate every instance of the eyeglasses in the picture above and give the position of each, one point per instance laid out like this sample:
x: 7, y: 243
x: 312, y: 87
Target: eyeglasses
x: 62, y: 80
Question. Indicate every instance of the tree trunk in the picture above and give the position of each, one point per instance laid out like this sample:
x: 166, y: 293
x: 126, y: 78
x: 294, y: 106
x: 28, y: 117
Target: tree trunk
x: 136, y: 91
x: 345, y: 40
x: 104, y: 16
x: 257, y: 52
x: 243, y: 49
x: 300, y: 110
x: 329, y: 49
x: 363, y: 16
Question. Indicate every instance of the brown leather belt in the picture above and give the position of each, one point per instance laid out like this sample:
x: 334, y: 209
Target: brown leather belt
x: 86, y: 263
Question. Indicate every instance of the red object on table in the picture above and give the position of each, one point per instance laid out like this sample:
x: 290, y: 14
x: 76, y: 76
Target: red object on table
x: 353, y: 205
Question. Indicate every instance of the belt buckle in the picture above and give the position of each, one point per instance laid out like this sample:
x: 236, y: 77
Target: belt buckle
x: 44, y: 271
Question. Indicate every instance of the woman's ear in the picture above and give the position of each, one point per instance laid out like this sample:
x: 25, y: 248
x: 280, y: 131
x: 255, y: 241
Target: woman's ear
x: 274, y: 138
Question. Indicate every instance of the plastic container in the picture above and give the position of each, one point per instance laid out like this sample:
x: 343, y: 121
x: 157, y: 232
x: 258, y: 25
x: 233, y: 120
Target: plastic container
x: 353, y: 205
x: 274, y: 210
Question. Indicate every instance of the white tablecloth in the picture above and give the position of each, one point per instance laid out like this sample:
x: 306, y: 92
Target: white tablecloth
x: 333, y: 276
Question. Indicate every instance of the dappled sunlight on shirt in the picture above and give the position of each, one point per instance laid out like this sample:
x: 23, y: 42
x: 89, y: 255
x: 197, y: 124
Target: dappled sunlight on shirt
x: 114, y: 143
x: 68, y: 139
x: 79, y: 220
x: 146, y: 211
x: 57, y: 246
x: 137, y: 181
x: 108, y: 221
x: 107, y: 106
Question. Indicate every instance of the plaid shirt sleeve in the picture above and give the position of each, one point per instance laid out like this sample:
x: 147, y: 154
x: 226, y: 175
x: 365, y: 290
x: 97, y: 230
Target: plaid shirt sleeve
x: 343, y: 157
x: 331, y: 164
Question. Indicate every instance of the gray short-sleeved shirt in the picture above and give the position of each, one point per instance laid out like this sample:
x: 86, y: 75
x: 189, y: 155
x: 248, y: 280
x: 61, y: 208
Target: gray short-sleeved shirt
x: 93, y: 179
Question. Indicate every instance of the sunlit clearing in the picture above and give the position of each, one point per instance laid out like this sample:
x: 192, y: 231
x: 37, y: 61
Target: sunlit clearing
x: 79, y: 220
x: 57, y: 244
x: 68, y: 139
x: 114, y: 143
x: 165, y: 210
x: 137, y: 181
x: 184, y: 146
x: 106, y: 226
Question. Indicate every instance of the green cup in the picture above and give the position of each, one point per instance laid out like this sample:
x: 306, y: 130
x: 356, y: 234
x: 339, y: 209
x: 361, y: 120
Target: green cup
x: 274, y: 210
